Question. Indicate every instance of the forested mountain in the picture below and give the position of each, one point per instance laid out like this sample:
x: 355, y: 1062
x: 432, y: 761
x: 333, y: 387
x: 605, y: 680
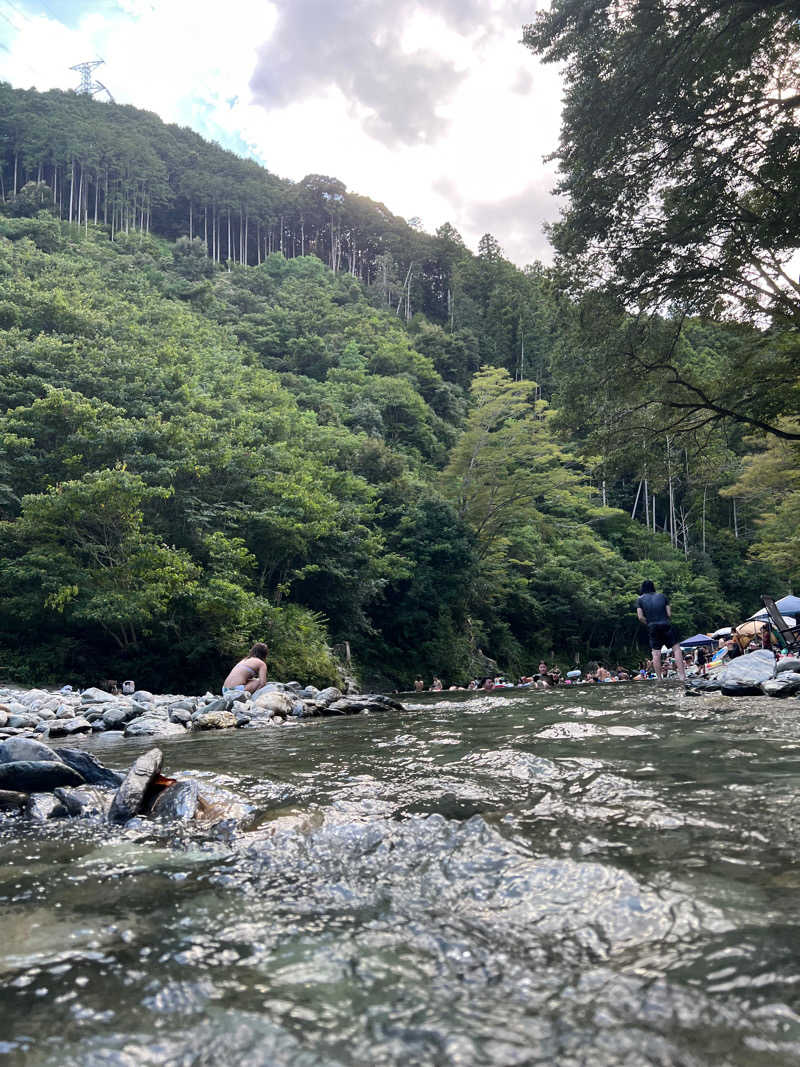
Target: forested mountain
x: 235, y: 407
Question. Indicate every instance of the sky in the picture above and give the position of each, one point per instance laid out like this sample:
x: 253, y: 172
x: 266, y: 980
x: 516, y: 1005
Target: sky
x: 434, y: 108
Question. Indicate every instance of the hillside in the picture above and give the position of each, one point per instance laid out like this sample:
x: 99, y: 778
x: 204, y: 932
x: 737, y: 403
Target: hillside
x: 198, y: 449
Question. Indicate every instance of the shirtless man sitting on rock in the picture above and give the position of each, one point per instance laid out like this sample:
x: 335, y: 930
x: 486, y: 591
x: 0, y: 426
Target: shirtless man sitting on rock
x: 249, y: 674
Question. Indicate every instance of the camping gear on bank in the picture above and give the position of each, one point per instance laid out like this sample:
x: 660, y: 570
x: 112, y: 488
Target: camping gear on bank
x: 787, y: 628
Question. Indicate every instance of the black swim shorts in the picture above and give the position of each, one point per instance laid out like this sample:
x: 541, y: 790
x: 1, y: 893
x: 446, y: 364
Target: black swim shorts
x: 662, y: 633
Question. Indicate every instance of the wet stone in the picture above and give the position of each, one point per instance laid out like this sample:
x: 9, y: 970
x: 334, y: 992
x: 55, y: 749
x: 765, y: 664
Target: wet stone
x: 151, y: 727
x: 91, y: 769
x: 31, y: 776
x: 25, y: 748
x: 86, y: 801
x: 11, y: 801
x: 69, y: 727
x: 43, y: 806
x: 128, y: 798
x: 178, y: 802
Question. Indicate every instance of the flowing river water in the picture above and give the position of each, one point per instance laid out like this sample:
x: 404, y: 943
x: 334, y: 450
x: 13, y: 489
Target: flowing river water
x: 598, y: 876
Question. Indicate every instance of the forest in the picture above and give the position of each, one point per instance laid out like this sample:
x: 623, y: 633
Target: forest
x: 236, y: 408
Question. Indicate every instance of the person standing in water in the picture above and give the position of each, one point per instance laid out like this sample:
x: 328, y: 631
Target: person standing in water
x: 654, y: 611
x: 250, y: 673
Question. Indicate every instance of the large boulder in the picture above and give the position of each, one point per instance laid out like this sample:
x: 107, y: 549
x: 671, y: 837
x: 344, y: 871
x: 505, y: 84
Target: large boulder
x: 87, y: 765
x: 69, y: 727
x: 92, y: 695
x: 271, y: 702
x: 215, y: 720
x: 25, y: 748
x: 37, y: 776
x: 130, y: 795
x: 178, y: 802
x: 785, y: 685
x: 747, y: 672
x: 43, y: 806
x: 328, y: 696
x: 148, y: 726
x: 118, y: 715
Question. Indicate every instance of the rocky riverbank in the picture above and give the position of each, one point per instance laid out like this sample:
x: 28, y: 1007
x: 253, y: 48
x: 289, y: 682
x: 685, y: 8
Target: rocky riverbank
x: 64, y: 714
x: 42, y: 781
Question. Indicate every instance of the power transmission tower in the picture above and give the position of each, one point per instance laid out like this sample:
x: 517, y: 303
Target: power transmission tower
x: 88, y: 86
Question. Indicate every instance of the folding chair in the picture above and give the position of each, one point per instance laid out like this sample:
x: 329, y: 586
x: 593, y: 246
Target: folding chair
x: 790, y: 635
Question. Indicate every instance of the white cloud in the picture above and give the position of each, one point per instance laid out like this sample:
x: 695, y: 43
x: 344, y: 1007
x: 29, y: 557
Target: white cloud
x: 491, y: 116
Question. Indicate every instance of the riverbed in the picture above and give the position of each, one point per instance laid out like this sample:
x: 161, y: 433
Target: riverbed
x: 604, y: 876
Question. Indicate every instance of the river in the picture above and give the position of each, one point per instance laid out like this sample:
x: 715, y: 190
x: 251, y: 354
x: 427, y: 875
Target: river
x: 597, y: 876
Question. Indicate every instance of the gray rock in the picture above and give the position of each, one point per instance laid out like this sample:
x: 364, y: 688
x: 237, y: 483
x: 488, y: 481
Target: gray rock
x: 215, y: 720
x: 3, y: 717
x: 220, y: 704
x: 116, y: 717
x: 89, y: 767
x: 183, y: 705
x: 242, y: 718
x: 25, y: 748
x: 68, y: 727
x: 180, y: 715
x: 782, y: 686
x: 86, y: 801
x: 789, y: 663
x: 178, y: 802
x: 92, y: 695
x: 129, y: 797
x: 142, y: 696
x: 146, y: 726
x: 37, y: 776
x: 24, y: 722
x: 271, y: 703
x: 749, y: 670
x: 43, y: 806
x: 45, y: 714
x: 328, y: 696
x: 151, y: 711
x: 11, y: 801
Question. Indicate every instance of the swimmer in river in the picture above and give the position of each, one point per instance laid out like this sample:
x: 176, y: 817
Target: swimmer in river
x: 250, y: 673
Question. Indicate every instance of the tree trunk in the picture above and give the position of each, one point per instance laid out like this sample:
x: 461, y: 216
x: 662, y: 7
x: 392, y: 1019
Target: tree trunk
x: 636, y: 501
x: 16, y: 164
x: 646, y: 503
x: 191, y: 221
x: 705, y: 494
x: 229, y: 238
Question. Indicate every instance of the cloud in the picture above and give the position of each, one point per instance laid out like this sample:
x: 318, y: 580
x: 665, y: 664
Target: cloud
x: 395, y: 66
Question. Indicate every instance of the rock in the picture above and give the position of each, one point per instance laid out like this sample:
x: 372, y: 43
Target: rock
x: 86, y: 801
x: 130, y: 795
x: 180, y: 715
x: 215, y: 720
x: 142, y: 696
x: 37, y: 776
x: 741, y: 689
x: 327, y: 696
x: 220, y: 704
x: 93, y: 695
x: 25, y: 748
x: 146, y: 726
x: 11, y: 801
x: 43, y: 806
x: 3, y: 718
x: 271, y: 703
x: 91, y: 769
x: 151, y: 711
x: 116, y: 717
x: 788, y: 663
x: 183, y: 705
x: 178, y: 802
x: 45, y: 714
x: 749, y: 670
x: 702, y: 685
x: 68, y: 727
x: 242, y: 718
x: 785, y: 685
x: 24, y: 722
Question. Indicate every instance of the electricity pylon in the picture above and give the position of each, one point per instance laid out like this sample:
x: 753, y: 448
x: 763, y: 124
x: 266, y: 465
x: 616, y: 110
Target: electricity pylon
x: 88, y: 86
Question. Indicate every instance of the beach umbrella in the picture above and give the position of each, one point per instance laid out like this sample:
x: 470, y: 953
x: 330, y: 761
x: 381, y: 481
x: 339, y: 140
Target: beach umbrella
x: 696, y: 641
x: 753, y: 627
x: 724, y: 631
x: 786, y: 605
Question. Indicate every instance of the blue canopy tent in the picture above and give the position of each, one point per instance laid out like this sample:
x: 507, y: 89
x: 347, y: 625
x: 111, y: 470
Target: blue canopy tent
x: 787, y: 605
x: 696, y: 641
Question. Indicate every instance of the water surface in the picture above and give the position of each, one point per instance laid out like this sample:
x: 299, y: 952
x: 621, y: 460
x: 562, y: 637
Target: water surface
x: 604, y: 876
